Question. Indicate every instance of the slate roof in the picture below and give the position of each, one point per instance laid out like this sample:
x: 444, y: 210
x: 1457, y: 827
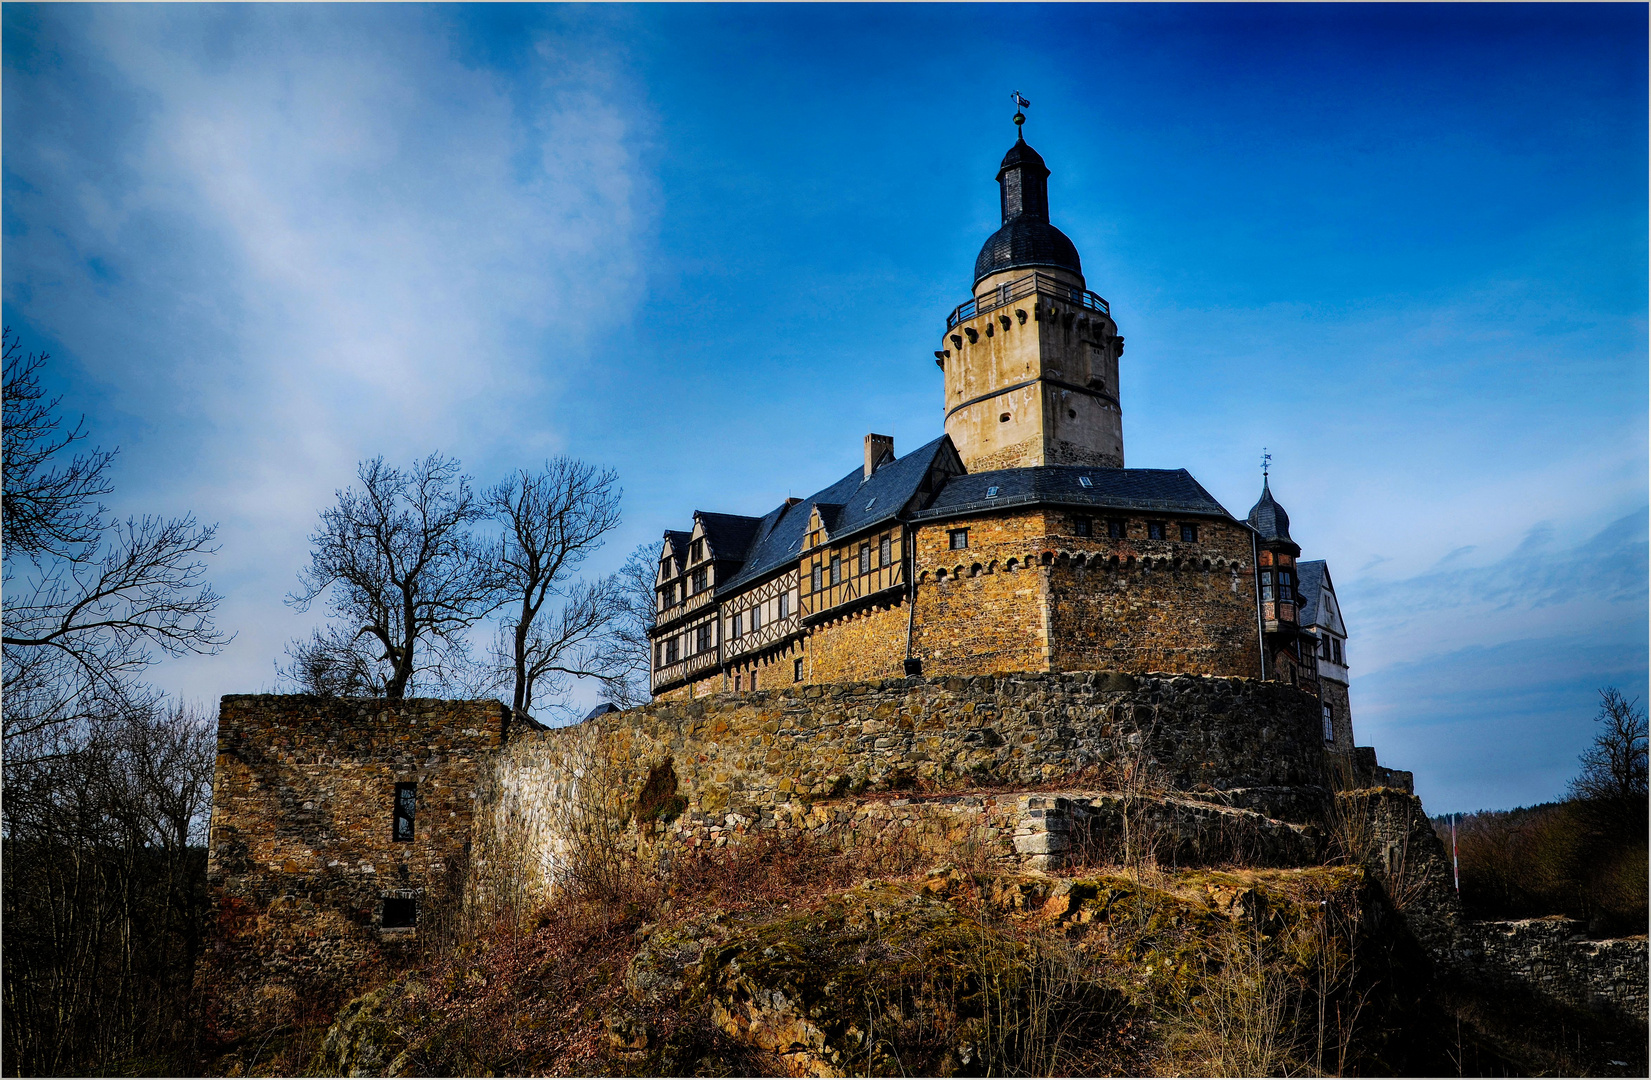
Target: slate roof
x: 1268, y: 518
x: 1168, y: 490
x: 1026, y: 239
x: 1310, y: 578
x: 848, y: 506
x: 728, y: 534
x: 679, y: 544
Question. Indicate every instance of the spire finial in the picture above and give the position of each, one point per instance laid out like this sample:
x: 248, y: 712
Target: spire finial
x: 1266, y: 460
x: 1020, y: 117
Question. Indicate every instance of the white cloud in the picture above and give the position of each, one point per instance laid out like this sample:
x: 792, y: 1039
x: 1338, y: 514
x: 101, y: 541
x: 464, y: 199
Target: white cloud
x: 329, y: 237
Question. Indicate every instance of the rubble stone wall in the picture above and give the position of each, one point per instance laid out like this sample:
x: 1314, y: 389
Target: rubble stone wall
x: 1555, y: 958
x: 300, y: 854
x: 797, y: 759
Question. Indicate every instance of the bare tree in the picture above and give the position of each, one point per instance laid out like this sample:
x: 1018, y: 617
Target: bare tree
x: 1614, y: 767
x: 630, y: 647
x: 405, y: 578
x: 88, y: 601
x: 50, y: 504
x: 553, y: 520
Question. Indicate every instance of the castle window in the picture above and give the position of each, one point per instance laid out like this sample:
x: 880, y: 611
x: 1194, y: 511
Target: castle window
x: 785, y: 605
x: 401, y: 825
x: 991, y: 493
x: 1335, y: 644
x: 702, y: 638
x: 673, y: 648
x: 699, y: 580
x: 885, y: 552
x: 400, y: 912
x: 736, y: 631
x: 865, y: 558
x: 1266, y: 585
x: 1082, y: 526
x: 1116, y: 529
x: 836, y: 569
x: 696, y: 551
x: 814, y: 578
x: 1324, y: 649
x: 659, y: 656
x: 1284, y: 591
x: 1329, y: 729
x: 1084, y: 480
x: 756, y: 618
x: 753, y: 678
x: 1189, y: 534
x: 737, y: 686
x: 797, y: 670
x: 1155, y: 530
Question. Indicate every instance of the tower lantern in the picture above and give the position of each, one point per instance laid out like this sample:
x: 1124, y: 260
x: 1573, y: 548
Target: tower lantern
x: 1031, y: 359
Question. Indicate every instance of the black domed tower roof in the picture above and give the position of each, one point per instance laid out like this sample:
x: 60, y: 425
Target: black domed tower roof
x: 1026, y: 238
x: 1268, y: 518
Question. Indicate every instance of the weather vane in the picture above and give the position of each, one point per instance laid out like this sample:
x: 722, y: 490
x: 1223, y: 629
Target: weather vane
x: 1020, y: 103
x: 1266, y: 460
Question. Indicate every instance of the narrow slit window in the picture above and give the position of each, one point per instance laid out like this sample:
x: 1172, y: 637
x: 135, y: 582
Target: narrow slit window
x: 885, y: 552
x: 814, y: 578
x: 836, y: 569
x: 865, y: 558
x: 797, y: 670
x: 401, y: 828
x: 785, y: 605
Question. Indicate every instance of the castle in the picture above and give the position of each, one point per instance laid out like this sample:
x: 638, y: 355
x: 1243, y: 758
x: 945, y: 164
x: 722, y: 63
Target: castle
x: 1004, y: 642
x: 1017, y: 541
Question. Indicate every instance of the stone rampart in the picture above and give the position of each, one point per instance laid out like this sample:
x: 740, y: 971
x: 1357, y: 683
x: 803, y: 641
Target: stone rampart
x: 692, y: 774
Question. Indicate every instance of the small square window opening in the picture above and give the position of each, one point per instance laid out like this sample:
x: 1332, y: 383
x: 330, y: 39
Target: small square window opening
x: 1155, y: 530
x: 1082, y: 526
x: 1115, y: 529
x: 1189, y: 534
x: 959, y: 539
x: 400, y: 912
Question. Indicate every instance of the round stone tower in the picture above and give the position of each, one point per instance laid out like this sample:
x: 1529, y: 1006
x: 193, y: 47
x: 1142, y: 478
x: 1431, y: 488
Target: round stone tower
x: 1031, y: 360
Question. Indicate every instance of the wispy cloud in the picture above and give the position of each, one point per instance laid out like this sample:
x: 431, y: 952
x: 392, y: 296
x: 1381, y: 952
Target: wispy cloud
x: 315, y: 234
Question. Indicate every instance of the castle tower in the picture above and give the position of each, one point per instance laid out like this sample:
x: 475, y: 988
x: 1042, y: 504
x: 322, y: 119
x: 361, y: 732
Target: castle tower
x: 1031, y: 360
x: 1276, y: 558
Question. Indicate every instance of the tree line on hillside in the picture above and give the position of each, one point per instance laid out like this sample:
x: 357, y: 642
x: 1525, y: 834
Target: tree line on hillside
x: 108, y: 781
x: 1585, y: 857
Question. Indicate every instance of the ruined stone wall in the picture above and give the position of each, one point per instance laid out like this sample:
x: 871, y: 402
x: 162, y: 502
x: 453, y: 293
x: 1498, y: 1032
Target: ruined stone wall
x: 982, y: 609
x: 794, y: 760
x: 1335, y: 695
x: 300, y: 852
x: 1554, y: 958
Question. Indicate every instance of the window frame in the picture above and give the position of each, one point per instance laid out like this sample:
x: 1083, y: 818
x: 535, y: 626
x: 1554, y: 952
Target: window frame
x: 1117, y: 529
x: 953, y: 536
x: 865, y: 558
x: 836, y: 570
x: 885, y: 552
x: 1189, y: 533
x: 737, y: 627
x: 1155, y: 530
x: 1083, y: 526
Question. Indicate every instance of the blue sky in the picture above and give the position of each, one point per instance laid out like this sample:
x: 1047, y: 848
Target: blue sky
x: 1403, y: 247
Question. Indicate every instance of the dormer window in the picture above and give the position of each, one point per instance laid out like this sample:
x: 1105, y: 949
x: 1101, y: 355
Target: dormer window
x: 1084, y: 480
x: 696, y: 551
x: 991, y: 493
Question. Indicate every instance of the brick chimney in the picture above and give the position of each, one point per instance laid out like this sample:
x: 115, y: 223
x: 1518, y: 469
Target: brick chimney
x: 876, y: 447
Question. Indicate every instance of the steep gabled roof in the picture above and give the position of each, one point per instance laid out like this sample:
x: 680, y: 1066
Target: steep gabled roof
x: 676, y: 543
x: 849, y: 506
x: 1310, y: 580
x: 1172, y: 491
x: 728, y: 534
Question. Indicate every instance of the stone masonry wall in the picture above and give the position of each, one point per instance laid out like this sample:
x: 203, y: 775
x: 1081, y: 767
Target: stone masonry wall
x: 867, y: 645
x: 794, y: 759
x: 982, y: 609
x: 1555, y: 958
x: 1155, y: 605
x: 300, y: 851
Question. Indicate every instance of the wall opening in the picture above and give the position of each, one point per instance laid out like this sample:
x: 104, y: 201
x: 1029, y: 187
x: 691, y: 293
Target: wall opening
x: 401, y: 827
x: 400, y: 913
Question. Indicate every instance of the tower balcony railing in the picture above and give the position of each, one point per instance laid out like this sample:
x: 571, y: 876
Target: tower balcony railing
x: 1010, y: 291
